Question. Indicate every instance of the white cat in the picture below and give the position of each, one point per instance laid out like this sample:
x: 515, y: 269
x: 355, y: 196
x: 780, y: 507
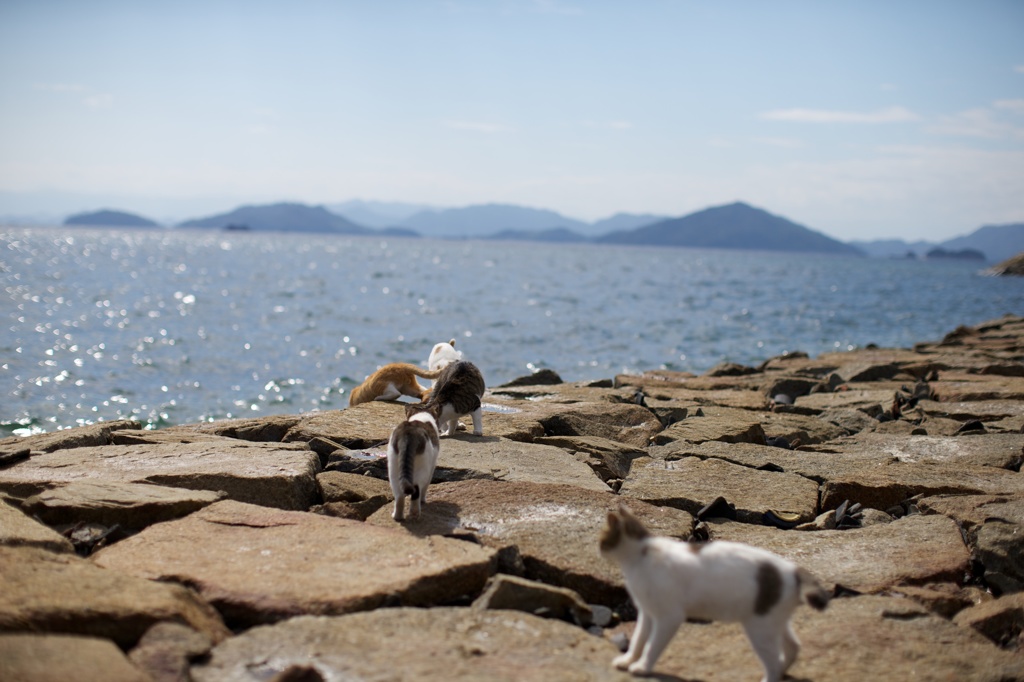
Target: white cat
x: 412, y: 457
x: 671, y: 581
x: 442, y: 355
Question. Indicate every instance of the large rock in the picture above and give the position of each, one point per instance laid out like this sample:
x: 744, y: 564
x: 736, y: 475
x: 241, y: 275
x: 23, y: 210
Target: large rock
x: 551, y: 529
x: 465, y: 457
x: 711, y: 422
x: 1001, y: 620
x: 994, y: 526
x: 855, y: 639
x: 17, y: 530
x: 271, y: 429
x: 132, y: 506
x: 913, y: 550
x: 56, y: 658
x: 275, y: 475
x: 66, y: 439
x: 875, y: 478
x: 691, y: 483
x: 61, y: 593
x: 451, y: 644
x: 1004, y: 451
x: 258, y: 565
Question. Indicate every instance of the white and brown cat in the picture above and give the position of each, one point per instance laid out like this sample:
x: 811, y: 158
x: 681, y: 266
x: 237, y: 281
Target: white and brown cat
x: 396, y: 379
x: 456, y: 393
x: 412, y: 456
x: 671, y: 581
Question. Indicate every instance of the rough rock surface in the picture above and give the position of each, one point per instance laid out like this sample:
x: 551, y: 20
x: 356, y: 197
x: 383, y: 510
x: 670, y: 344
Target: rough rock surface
x: 47, y: 592
x: 257, y: 564
x: 453, y: 644
x: 905, y: 463
x: 271, y: 474
x: 546, y: 532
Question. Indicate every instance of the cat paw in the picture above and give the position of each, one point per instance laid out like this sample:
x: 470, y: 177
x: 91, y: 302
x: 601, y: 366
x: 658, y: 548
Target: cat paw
x: 478, y: 433
x: 622, y: 662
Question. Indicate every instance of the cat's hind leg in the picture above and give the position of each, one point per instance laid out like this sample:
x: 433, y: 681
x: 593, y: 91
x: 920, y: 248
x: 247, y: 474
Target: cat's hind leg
x: 766, y: 636
x: 636, y: 643
x: 790, y: 647
x: 662, y: 631
x: 389, y: 393
x: 478, y: 421
x: 399, y: 513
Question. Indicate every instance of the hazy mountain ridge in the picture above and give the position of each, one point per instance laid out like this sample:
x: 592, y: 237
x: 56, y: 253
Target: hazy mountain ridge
x: 110, y: 218
x: 996, y: 242
x: 736, y: 225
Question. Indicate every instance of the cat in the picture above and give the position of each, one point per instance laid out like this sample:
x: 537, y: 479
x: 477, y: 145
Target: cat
x: 412, y: 457
x: 457, y: 392
x: 443, y: 354
x: 670, y: 581
x: 391, y: 381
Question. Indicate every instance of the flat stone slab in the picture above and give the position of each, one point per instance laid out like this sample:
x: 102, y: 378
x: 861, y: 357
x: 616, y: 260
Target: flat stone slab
x: 909, y: 551
x: 691, y: 483
x: 62, y: 593
x: 726, y: 424
x: 982, y: 410
x: 49, y: 658
x: 132, y: 506
x: 66, y: 439
x: 855, y: 639
x: 20, y: 530
x: 553, y: 529
x: 276, y: 475
x: 500, y: 459
x: 994, y: 526
x: 451, y: 644
x: 1000, y: 450
x: 874, y: 478
x: 871, y: 402
x: 258, y: 565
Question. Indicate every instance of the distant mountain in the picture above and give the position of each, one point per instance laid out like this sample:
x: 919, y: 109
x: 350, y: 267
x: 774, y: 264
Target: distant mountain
x: 734, y: 226
x: 285, y: 217
x: 377, y: 213
x: 894, y: 248
x: 488, y: 219
x: 625, y: 221
x: 559, y: 234
x: 108, y: 218
x: 997, y: 242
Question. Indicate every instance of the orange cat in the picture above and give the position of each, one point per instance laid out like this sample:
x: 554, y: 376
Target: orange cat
x: 391, y: 381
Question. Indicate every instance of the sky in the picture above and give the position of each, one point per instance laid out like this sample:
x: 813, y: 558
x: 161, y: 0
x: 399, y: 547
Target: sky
x: 860, y: 119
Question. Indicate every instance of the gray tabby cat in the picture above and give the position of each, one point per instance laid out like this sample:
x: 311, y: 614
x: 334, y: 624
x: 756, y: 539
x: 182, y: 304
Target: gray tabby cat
x: 457, y: 392
x: 412, y: 457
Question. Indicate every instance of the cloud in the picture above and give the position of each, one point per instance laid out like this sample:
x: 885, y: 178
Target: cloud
x: 59, y: 87
x: 888, y: 115
x: 786, y: 142
x: 552, y: 7
x: 981, y: 122
x: 609, y: 125
x: 99, y: 101
x: 1015, y: 106
x: 1019, y: 68
x: 478, y: 127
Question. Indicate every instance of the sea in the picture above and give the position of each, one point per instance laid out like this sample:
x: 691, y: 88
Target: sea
x: 180, y: 326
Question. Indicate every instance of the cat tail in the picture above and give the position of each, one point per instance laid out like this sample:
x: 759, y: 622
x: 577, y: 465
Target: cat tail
x: 811, y: 590
x: 408, y: 488
x: 425, y: 373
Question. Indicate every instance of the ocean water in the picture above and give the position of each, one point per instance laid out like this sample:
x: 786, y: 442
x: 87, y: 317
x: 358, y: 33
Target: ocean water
x: 171, y: 327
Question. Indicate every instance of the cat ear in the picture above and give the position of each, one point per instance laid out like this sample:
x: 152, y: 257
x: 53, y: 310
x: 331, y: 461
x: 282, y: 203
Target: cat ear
x: 452, y: 342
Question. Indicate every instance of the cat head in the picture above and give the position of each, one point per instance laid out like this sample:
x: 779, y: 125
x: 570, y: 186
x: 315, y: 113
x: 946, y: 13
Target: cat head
x: 442, y: 355
x: 622, y: 528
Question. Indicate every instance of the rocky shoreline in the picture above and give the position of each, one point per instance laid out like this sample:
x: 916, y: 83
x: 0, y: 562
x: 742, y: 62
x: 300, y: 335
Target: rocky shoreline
x: 263, y: 549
